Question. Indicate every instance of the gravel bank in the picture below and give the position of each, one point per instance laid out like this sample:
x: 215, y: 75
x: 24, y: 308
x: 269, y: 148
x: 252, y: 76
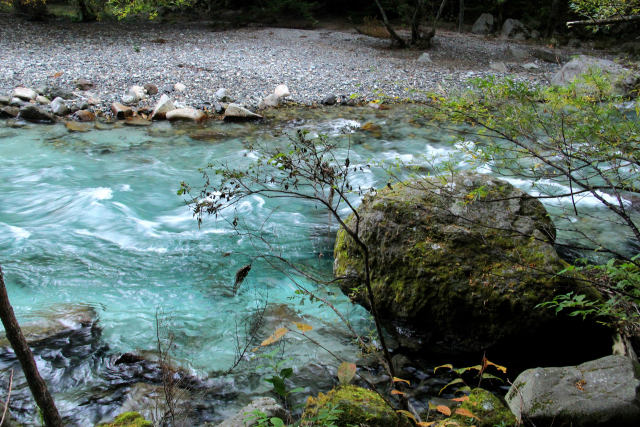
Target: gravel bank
x: 248, y: 62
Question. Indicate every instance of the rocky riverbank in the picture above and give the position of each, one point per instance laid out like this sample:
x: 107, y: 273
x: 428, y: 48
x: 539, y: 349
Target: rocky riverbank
x: 97, y: 64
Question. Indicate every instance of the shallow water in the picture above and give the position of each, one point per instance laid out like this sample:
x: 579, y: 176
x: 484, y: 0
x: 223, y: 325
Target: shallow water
x: 93, y: 219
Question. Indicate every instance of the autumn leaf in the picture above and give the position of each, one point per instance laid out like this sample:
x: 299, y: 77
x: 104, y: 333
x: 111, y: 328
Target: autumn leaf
x: 275, y: 337
x: 448, y: 365
x: 398, y: 392
x: 406, y: 414
x: 461, y: 399
x: 425, y: 423
x: 400, y: 380
x: 501, y: 368
x: 303, y: 327
x: 443, y: 410
x: 56, y: 75
x: 346, y: 372
x: 466, y: 413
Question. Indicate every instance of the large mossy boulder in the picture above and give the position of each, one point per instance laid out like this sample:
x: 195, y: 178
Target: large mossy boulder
x: 350, y: 405
x: 462, y: 263
x: 487, y: 408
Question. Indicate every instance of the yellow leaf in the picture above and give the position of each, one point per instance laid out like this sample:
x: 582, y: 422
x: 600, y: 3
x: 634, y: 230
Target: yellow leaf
x: 425, y: 423
x: 303, y: 327
x: 461, y: 399
x: 56, y: 75
x: 443, y: 410
x: 448, y: 365
x: 400, y: 380
x: 397, y: 392
x: 466, y: 413
x: 406, y: 414
x: 275, y: 337
x: 498, y: 367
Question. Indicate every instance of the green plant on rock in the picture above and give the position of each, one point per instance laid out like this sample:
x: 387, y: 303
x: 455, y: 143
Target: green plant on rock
x: 260, y: 419
x: 480, y: 370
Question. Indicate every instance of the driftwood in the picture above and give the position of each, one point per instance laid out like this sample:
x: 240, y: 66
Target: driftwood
x: 597, y: 22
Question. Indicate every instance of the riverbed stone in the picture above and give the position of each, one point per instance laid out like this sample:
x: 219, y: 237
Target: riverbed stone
x: 485, y: 24
x: 74, y: 126
x: 24, y: 93
x: 9, y: 112
x: 121, y: 111
x: 329, y: 100
x: 235, y: 112
x: 270, y: 101
x: 186, y: 114
x: 281, y: 91
x: 137, y: 121
x: 151, y: 89
x: 42, y: 100
x: 605, y: 391
x: 4, y: 100
x: 163, y: 106
x: 244, y: 417
x: 514, y: 29
x: 499, y: 66
x: 554, y: 56
x: 84, y: 116
x: 179, y: 87
x: 460, y: 265
x: 33, y: 113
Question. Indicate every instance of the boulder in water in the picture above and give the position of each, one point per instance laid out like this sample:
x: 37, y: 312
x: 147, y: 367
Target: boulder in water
x: 462, y: 264
x: 235, y: 112
x: 33, y: 113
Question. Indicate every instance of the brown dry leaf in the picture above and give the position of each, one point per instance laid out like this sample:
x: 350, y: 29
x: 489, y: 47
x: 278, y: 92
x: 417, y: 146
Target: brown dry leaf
x: 425, y: 423
x: 397, y: 392
x: 461, y: 399
x: 56, y: 75
x: 466, y: 413
x: 443, y: 410
x: 498, y: 367
x: 303, y: 327
x: 275, y: 337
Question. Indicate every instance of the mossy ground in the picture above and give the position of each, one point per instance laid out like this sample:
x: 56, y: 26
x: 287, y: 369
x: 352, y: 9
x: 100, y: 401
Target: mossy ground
x: 128, y: 419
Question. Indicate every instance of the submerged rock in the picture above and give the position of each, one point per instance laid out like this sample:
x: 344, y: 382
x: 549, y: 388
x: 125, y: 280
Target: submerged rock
x: 601, y: 392
x: 462, y: 264
x: 355, y: 406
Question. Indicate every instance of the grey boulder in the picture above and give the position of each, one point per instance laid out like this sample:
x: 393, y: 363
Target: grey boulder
x: 59, y: 107
x: 514, y: 29
x: 485, y: 24
x: 24, y: 93
x: 601, y: 392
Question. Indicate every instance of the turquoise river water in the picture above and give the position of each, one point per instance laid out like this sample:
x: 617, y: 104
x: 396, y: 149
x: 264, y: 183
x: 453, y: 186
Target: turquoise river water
x: 91, y: 223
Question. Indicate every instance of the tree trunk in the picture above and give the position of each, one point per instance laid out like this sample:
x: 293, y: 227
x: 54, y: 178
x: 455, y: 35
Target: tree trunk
x: 25, y: 357
x: 86, y: 14
x: 554, y: 17
x: 387, y: 25
x: 461, y: 17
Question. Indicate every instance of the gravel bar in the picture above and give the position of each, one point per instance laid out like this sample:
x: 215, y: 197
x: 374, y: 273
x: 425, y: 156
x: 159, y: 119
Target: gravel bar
x: 248, y: 62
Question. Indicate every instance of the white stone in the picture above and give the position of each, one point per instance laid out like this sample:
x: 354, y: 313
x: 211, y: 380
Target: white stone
x: 238, y: 112
x: 281, y: 91
x: 270, y: 101
x: 425, y: 58
x: 128, y: 98
x: 58, y: 107
x: 221, y: 94
x: 24, y: 93
x: 530, y: 66
x: 186, y: 114
x: 138, y: 91
x: 42, y: 100
x: 179, y: 87
x: 163, y: 106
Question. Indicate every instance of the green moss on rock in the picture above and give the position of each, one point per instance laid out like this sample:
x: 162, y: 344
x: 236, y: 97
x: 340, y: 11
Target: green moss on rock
x: 488, y: 408
x: 128, y: 419
x: 353, y: 406
x: 468, y: 259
